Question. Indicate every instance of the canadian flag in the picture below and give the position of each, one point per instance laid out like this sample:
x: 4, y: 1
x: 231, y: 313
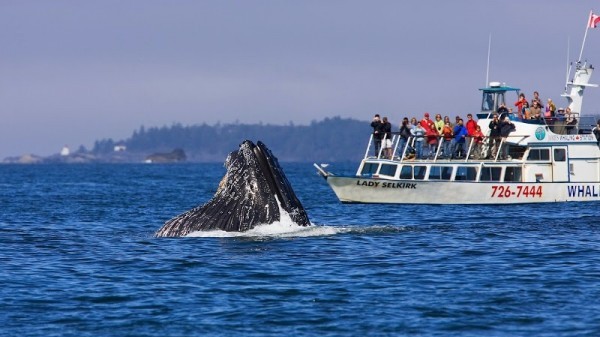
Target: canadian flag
x: 594, y: 20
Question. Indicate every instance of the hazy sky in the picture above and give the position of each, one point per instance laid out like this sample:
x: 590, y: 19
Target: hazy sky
x: 72, y: 72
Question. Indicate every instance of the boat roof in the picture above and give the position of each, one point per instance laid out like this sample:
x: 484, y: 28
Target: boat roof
x: 501, y: 88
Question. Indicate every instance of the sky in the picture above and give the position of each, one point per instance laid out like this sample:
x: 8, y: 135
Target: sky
x: 73, y: 72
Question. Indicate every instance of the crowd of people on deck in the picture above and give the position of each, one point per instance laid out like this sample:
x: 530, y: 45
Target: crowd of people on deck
x: 421, y: 139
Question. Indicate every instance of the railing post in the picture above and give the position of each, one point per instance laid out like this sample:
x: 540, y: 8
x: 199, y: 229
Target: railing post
x: 471, y: 139
x: 368, y: 147
x: 440, y: 144
x: 396, y: 141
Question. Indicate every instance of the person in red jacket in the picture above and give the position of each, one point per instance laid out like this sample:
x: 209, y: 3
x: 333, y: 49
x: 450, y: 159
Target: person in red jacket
x: 521, y: 104
x: 471, y: 126
x: 431, y: 135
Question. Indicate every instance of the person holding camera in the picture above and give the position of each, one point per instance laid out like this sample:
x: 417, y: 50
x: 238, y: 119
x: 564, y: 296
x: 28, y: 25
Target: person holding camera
x: 378, y: 132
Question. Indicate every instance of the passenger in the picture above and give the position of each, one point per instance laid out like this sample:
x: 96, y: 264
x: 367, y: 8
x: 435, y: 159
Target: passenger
x: 448, y: 136
x: 526, y: 113
x: 506, y: 127
x: 432, y: 142
x: 550, y: 109
x: 477, y: 139
x: 570, y: 121
x: 596, y: 132
x: 521, y: 105
x: 387, y: 138
x: 494, y: 140
x: 413, y: 123
x: 471, y: 126
x: 426, y: 122
x: 536, y: 98
x: 536, y: 111
x: 419, y: 137
x: 377, y: 126
x: 439, y: 124
x: 447, y: 121
x: 404, y: 135
x: 460, y: 134
x: 502, y: 109
x: 431, y: 135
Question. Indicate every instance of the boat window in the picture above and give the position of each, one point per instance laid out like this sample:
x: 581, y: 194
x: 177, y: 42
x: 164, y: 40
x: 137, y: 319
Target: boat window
x: 369, y: 169
x: 539, y: 154
x: 388, y: 169
x: 560, y: 155
x: 488, y: 101
x: 440, y: 172
x: 468, y: 173
x: 406, y: 172
x: 512, y: 173
x: 490, y: 173
x: 420, y: 172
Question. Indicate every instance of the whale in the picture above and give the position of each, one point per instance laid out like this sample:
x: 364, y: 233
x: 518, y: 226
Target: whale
x: 254, y: 191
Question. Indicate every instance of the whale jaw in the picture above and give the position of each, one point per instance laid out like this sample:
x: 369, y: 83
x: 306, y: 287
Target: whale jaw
x: 253, y: 192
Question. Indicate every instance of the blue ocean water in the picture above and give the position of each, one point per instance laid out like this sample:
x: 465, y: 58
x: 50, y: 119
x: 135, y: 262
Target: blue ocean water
x: 79, y: 258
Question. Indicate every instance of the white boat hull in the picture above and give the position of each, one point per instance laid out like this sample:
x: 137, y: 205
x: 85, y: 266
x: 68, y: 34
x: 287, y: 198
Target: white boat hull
x: 381, y: 191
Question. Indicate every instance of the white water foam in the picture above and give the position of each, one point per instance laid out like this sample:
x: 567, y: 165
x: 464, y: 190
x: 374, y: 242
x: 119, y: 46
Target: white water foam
x: 281, y: 229
x: 286, y: 227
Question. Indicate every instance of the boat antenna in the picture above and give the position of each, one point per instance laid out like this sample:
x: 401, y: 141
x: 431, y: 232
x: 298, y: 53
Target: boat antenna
x: 569, y: 63
x: 487, y: 70
x: 587, y: 26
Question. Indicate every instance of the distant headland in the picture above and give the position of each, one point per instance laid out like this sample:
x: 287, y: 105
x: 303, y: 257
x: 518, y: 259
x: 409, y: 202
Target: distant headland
x: 333, y: 139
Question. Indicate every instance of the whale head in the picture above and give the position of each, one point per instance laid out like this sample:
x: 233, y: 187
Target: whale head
x: 254, y: 191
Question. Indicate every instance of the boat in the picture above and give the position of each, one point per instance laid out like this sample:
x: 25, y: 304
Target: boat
x: 548, y: 160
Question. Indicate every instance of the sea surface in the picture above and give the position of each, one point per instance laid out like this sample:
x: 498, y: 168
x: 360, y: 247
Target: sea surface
x: 78, y: 258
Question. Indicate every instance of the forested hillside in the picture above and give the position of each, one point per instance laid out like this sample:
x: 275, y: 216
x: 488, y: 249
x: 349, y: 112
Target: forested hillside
x: 331, y: 140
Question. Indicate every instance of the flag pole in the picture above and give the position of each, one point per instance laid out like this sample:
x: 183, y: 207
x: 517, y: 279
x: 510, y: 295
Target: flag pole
x: 587, y: 26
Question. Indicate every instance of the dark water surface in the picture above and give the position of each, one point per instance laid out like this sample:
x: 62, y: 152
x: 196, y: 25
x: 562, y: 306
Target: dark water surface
x: 78, y: 259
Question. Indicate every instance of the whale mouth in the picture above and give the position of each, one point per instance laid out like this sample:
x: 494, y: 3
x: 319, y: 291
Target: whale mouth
x: 279, y: 184
x: 254, y: 191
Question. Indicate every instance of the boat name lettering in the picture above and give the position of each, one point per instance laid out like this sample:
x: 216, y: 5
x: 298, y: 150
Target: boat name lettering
x: 572, y: 138
x: 386, y: 184
x: 508, y: 191
x: 575, y: 191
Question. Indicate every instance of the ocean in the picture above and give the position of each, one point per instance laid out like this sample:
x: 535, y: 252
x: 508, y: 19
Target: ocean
x: 79, y: 258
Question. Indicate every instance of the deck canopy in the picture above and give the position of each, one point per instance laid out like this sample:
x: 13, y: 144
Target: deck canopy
x: 494, y: 96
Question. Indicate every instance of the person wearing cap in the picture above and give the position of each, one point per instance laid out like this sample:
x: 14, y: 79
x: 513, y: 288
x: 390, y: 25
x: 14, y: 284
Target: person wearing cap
x: 426, y: 122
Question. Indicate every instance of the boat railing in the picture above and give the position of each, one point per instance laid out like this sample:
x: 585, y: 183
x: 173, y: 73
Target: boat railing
x: 409, y: 145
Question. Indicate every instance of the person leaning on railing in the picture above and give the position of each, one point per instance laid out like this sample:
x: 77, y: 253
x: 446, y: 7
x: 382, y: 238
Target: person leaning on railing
x: 477, y: 140
x: 495, y: 135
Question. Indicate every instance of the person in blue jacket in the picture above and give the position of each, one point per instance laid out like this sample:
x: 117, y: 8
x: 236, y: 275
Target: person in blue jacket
x: 460, y: 134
